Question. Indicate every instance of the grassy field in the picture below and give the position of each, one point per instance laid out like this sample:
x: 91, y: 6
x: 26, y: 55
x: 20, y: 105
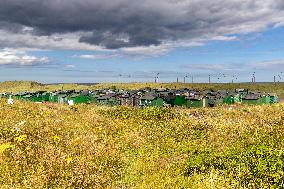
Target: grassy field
x: 89, y: 146
x: 56, y: 146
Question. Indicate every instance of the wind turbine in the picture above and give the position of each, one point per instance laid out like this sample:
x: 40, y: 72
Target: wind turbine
x: 234, y: 78
x: 253, y: 77
x: 280, y: 76
x: 120, y: 75
x: 184, y: 78
x: 157, y: 77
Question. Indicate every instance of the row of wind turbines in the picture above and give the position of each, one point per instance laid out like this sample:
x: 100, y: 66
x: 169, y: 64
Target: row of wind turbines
x: 278, y: 77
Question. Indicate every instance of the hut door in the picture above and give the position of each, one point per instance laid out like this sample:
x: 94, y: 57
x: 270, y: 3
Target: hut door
x: 204, y: 102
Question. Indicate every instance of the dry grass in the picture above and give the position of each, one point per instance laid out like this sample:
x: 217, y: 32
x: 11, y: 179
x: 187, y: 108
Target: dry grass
x: 100, y: 147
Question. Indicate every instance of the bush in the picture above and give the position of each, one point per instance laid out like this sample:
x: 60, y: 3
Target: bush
x: 258, y: 165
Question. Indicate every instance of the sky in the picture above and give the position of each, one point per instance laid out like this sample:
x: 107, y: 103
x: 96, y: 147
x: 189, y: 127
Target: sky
x: 90, y: 41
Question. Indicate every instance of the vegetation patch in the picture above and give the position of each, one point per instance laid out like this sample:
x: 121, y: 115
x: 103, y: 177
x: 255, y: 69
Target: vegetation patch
x: 151, y: 113
x: 257, y: 166
x: 89, y: 146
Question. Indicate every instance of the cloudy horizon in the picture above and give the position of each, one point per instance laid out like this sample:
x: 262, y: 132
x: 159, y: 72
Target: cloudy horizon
x: 123, y: 40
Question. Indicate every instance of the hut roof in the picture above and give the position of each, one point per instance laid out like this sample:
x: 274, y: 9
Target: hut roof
x: 74, y: 95
x: 251, y: 97
x: 195, y: 97
x: 105, y: 97
x: 149, y: 96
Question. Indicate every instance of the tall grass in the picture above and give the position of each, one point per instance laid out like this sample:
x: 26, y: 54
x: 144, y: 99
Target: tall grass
x: 87, y: 146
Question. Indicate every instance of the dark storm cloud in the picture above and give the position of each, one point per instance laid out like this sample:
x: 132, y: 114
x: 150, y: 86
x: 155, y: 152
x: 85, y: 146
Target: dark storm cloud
x: 112, y: 41
x: 11, y: 27
x: 127, y: 23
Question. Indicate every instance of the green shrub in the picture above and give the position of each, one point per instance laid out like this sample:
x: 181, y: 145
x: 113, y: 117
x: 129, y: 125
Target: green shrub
x: 257, y: 165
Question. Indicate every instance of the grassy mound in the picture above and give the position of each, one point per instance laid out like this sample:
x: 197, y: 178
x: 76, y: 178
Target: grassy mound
x: 57, y: 146
x: 14, y: 86
x: 20, y: 86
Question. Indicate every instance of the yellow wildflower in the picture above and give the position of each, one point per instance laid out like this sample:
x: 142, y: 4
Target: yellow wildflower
x: 69, y: 160
x: 21, y: 138
x: 56, y: 138
x: 5, y: 146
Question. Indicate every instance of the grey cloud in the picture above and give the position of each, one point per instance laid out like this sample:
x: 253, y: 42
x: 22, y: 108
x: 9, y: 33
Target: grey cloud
x: 11, y: 27
x: 216, y: 70
x: 96, y: 56
x: 237, y: 68
x: 271, y: 65
x: 127, y: 23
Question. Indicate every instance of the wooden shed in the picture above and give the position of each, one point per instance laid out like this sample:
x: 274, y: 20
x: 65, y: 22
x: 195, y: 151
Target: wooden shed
x: 180, y: 101
x: 107, y: 101
x: 215, y: 101
x: 58, y: 98
x: 251, y: 99
x: 20, y: 96
x: 37, y: 96
x: 265, y: 99
x: 151, y: 99
x: 158, y: 102
x: 232, y: 98
x: 273, y: 98
x: 79, y: 99
x: 125, y: 100
x: 197, y: 102
x: 45, y: 96
x: 170, y: 99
